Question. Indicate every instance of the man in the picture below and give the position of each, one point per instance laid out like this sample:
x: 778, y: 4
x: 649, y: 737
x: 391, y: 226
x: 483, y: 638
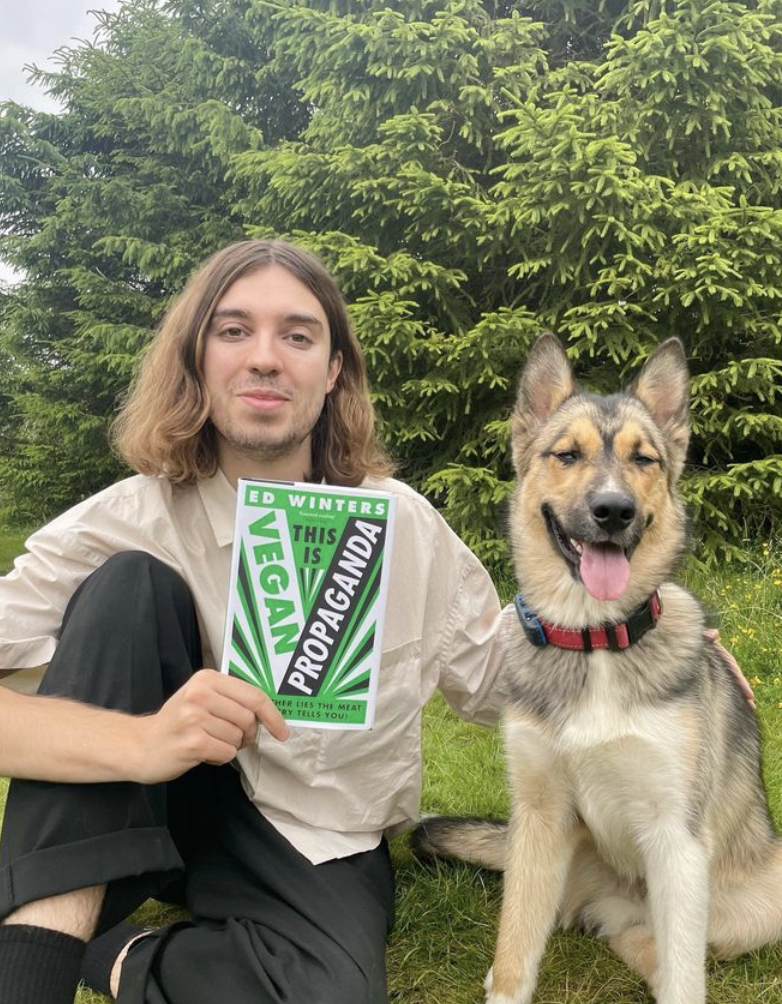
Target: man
x: 283, y: 865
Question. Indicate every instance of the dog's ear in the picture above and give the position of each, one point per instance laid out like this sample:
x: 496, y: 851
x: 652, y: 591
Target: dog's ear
x: 546, y: 383
x: 663, y: 387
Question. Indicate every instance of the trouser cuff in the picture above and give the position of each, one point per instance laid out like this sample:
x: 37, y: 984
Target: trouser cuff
x: 134, y: 864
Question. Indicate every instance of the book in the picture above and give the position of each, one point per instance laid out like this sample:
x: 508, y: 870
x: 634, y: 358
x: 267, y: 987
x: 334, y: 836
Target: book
x: 307, y: 598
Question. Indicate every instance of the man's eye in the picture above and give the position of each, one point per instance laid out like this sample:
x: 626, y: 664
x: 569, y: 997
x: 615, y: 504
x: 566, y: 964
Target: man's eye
x: 300, y: 337
x: 232, y: 332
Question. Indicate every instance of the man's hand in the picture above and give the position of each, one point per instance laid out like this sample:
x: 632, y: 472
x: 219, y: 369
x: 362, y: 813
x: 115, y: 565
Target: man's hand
x: 207, y: 721
x: 714, y: 637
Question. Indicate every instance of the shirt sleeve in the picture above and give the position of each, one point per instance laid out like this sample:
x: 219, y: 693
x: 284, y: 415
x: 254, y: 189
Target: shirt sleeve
x: 131, y: 515
x: 35, y: 594
x: 471, y: 663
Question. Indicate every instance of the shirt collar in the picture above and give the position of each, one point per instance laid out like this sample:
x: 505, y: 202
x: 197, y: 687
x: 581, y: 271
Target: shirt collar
x: 219, y: 498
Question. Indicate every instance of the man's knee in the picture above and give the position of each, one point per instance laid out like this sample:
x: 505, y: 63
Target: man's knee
x: 131, y: 586
x: 129, y: 636
x: 124, y: 570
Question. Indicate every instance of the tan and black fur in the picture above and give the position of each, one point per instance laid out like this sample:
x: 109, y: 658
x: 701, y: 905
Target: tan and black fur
x: 638, y: 810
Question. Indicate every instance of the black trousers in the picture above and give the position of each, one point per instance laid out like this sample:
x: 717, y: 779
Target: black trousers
x: 267, y: 925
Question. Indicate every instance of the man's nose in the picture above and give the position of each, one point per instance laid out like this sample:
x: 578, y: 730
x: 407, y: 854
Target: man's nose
x: 263, y: 353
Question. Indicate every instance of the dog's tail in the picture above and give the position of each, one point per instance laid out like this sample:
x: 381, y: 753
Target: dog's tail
x: 479, y: 841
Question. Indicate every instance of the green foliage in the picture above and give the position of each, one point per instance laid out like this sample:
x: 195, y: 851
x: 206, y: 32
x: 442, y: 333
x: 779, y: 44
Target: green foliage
x: 471, y: 171
x: 11, y: 546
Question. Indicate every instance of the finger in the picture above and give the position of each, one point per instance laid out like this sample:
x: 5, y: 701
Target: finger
x: 249, y: 697
x: 216, y: 752
x: 259, y: 703
x: 729, y: 660
x: 219, y: 706
x: 248, y: 708
x: 270, y: 718
x: 225, y: 732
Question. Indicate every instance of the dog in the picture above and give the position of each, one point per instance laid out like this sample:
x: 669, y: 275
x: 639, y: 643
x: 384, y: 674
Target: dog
x: 633, y: 757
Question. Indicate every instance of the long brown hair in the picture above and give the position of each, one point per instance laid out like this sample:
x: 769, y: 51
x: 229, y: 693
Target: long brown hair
x: 164, y: 427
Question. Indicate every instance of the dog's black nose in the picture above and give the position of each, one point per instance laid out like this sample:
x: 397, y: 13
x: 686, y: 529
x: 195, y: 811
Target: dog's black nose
x: 612, y: 511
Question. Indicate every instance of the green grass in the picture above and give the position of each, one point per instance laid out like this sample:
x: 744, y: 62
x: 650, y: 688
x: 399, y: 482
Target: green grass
x: 447, y: 915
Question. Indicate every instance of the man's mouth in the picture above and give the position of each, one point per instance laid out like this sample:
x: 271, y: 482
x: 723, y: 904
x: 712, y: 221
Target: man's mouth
x: 603, y: 568
x: 263, y: 399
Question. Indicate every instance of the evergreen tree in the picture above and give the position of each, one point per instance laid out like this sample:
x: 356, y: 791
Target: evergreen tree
x: 471, y: 171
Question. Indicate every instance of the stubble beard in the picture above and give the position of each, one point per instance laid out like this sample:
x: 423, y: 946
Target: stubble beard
x: 264, y: 447
x: 263, y: 442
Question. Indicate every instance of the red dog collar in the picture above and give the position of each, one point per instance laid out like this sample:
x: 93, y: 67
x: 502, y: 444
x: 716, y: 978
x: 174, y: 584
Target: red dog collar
x: 614, y: 637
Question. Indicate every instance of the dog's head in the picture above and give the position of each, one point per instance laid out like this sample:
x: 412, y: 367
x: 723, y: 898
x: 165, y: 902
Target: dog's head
x: 596, y: 523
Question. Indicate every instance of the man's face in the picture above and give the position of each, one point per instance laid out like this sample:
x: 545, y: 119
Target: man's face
x: 267, y: 370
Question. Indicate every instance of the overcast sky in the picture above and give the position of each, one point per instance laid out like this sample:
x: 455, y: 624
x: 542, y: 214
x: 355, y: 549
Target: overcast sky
x: 30, y: 32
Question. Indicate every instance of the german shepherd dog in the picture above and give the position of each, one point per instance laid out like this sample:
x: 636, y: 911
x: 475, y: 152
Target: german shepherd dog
x: 633, y: 757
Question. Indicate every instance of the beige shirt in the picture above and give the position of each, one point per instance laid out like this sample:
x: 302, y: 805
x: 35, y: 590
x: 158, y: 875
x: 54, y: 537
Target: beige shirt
x: 330, y: 793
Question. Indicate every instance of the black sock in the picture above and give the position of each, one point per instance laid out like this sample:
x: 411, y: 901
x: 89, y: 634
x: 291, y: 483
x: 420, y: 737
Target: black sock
x: 101, y: 954
x: 38, y: 966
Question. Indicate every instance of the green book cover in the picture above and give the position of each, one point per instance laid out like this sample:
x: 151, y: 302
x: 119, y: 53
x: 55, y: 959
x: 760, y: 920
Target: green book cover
x: 309, y: 581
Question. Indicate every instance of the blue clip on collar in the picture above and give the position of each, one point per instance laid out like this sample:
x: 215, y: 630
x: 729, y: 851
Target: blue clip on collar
x: 533, y: 629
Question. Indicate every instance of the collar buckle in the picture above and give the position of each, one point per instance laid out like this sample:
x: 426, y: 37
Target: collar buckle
x: 533, y: 627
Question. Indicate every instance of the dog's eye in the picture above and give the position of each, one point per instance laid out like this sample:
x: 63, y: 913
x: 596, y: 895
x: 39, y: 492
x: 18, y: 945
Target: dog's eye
x: 568, y: 457
x: 643, y: 460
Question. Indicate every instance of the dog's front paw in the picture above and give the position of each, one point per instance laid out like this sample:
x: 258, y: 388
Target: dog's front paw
x: 488, y: 986
x: 504, y: 999
x: 519, y: 997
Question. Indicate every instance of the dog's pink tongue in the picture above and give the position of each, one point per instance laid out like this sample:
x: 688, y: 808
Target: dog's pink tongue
x: 605, y: 571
